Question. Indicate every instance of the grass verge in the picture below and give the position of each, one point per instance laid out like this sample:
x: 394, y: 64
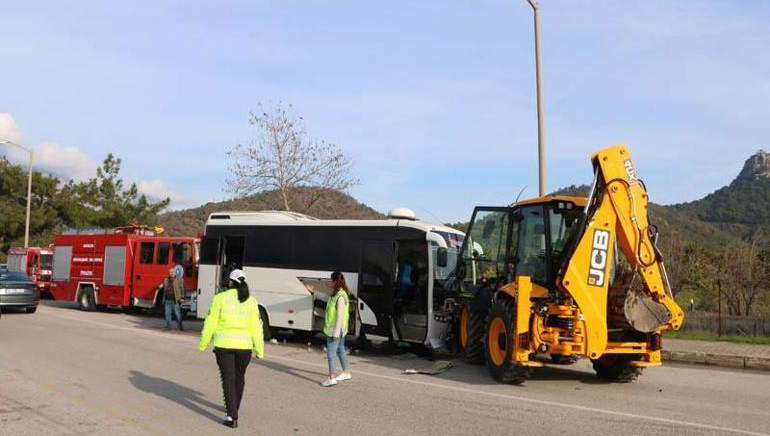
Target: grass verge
x: 702, y: 336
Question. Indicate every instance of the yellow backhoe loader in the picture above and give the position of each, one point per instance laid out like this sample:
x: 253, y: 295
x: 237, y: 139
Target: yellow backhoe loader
x: 567, y: 277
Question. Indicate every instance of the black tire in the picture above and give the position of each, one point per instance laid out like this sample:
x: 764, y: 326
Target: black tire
x: 385, y: 347
x: 472, y: 328
x: 561, y: 359
x: 617, y: 367
x: 499, y: 344
x: 267, y: 332
x: 31, y: 309
x: 86, y: 300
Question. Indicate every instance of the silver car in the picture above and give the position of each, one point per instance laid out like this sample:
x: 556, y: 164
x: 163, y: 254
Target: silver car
x: 17, y: 291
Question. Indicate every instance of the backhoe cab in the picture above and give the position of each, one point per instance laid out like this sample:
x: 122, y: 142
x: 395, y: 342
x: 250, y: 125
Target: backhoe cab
x: 567, y: 277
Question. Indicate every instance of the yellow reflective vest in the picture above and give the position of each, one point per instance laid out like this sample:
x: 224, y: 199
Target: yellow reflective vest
x: 330, y: 320
x: 232, y: 324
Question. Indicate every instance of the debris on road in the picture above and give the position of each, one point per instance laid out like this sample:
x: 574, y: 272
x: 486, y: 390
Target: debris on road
x: 438, y: 367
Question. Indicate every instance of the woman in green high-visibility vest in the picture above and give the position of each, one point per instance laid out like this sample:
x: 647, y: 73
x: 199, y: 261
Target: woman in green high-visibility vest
x: 335, y: 329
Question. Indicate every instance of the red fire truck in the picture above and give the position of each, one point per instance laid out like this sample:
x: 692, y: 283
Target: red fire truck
x: 122, y: 267
x: 35, y: 262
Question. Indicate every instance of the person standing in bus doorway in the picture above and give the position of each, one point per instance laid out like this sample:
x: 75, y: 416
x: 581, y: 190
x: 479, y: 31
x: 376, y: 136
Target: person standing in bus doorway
x: 335, y: 329
x: 173, y: 297
x: 234, y: 326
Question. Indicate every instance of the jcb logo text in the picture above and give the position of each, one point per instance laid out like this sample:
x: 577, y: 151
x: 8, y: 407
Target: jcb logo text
x: 598, y: 264
x: 630, y: 171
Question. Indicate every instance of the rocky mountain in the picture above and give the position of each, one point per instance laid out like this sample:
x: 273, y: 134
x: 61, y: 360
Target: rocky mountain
x: 741, y: 208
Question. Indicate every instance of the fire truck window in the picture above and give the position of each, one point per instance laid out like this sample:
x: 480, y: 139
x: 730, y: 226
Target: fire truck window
x: 163, y: 249
x: 183, y: 256
x: 146, y: 252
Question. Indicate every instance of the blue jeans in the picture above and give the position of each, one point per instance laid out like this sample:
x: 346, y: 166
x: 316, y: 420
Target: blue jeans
x: 336, y: 348
x: 172, y: 306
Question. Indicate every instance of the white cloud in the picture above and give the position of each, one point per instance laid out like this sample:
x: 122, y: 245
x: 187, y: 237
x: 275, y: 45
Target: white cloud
x: 69, y: 163
x: 72, y: 163
x: 157, y: 190
x: 9, y: 131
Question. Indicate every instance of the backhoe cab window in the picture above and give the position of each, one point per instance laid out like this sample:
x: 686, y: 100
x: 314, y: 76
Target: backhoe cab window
x: 531, y: 249
x: 485, y: 254
x: 562, y: 222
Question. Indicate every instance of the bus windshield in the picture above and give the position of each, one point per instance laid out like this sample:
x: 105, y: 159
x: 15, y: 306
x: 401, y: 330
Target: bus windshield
x: 453, y: 242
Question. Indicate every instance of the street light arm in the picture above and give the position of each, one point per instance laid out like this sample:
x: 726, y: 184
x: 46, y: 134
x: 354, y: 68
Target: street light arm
x: 28, y: 150
x: 534, y: 4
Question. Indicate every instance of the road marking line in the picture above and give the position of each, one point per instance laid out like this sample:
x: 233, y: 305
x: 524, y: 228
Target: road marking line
x: 457, y: 388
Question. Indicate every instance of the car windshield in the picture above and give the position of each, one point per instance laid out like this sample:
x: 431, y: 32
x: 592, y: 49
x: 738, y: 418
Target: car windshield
x: 13, y: 276
x: 46, y: 261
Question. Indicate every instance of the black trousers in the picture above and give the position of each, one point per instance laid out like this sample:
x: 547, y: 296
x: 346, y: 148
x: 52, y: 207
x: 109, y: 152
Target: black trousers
x: 232, y: 370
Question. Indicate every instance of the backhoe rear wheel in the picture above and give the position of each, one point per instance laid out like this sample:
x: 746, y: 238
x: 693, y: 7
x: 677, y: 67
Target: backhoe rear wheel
x: 617, y: 367
x: 472, y: 327
x: 499, y: 344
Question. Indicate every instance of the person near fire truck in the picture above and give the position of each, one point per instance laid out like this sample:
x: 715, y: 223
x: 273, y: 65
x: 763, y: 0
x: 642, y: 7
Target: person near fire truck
x: 234, y: 326
x: 173, y: 297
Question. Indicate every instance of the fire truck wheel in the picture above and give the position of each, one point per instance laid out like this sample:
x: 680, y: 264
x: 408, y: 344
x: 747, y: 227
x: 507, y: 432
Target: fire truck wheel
x: 86, y: 300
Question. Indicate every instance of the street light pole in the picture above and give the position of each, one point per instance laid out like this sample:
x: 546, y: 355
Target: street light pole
x: 29, y: 188
x: 540, y: 109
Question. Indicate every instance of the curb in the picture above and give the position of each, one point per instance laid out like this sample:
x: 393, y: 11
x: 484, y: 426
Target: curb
x: 713, y: 359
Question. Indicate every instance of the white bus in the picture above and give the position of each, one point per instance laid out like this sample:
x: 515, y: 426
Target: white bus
x: 395, y: 269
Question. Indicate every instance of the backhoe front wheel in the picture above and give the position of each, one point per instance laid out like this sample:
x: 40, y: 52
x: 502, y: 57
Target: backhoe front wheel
x: 499, y: 344
x: 617, y: 367
x: 472, y: 325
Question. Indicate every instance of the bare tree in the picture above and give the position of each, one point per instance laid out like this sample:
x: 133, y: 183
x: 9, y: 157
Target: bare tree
x: 281, y: 157
x: 744, y: 276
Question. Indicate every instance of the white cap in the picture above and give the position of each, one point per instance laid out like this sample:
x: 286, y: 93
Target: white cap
x: 236, y: 275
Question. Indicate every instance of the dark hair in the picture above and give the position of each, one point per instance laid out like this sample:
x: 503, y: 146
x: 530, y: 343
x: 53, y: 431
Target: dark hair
x: 243, y: 289
x: 339, y: 281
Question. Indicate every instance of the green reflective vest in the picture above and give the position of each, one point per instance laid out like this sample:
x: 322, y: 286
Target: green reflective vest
x: 232, y: 324
x: 331, y: 313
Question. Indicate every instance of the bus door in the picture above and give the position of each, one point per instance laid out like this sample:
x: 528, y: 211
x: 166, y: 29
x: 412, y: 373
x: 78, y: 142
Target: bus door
x: 410, y: 306
x: 230, y: 257
x: 375, y: 289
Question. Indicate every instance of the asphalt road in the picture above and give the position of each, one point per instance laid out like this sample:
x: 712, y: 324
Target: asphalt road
x: 66, y: 372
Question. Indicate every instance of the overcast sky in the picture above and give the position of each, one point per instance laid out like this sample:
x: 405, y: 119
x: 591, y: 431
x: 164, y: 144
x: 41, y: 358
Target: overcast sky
x: 433, y: 100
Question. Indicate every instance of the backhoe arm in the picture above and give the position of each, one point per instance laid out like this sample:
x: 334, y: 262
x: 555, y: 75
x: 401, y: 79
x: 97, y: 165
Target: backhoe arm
x: 616, y: 208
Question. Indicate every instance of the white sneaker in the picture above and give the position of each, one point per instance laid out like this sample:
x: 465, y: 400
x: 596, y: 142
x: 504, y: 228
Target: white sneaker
x: 343, y: 376
x: 329, y: 382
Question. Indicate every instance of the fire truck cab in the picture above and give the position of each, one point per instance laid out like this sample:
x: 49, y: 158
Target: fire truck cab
x: 36, y: 262
x: 122, y: 267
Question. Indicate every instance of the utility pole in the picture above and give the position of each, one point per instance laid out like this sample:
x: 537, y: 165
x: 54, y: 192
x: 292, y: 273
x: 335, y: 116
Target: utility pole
x: 29, y: 188
x: 540, y: 109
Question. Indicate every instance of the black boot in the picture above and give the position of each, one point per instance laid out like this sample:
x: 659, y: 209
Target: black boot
x: 232, y: 423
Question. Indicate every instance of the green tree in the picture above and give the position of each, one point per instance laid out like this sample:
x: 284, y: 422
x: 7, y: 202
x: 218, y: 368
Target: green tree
x: 13, y: 204
x: 105, y: 201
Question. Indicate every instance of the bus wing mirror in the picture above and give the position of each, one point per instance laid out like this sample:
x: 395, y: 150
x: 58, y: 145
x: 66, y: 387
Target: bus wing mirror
x: 441, y: 257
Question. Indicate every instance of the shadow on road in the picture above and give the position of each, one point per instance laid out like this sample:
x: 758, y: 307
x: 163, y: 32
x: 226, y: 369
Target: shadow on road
x: 184, y: 396
x: 295, y: 372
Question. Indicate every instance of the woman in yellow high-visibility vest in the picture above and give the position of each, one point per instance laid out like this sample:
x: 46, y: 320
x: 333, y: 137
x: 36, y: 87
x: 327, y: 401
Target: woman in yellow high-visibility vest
x: 335, y: 329
x: 234, y: 326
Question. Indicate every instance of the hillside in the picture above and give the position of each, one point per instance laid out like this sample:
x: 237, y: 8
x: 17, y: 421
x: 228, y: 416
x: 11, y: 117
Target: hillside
x: 333, y: 205
x: 742, y: 207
